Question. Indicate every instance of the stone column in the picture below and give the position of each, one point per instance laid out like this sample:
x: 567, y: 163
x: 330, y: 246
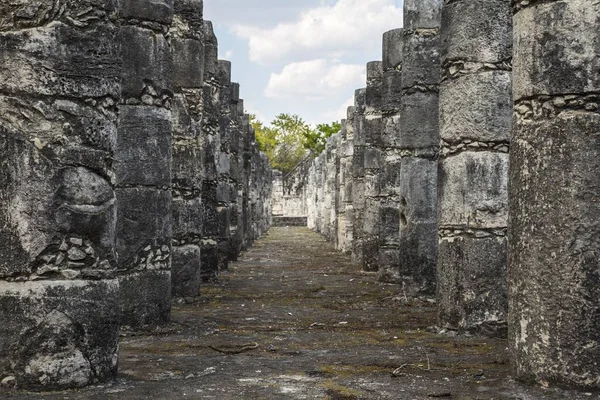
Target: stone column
x: 143, y: 168
x: 389, y: 214
x: 358, y: 176
x: 210, y: 143
x: 59, y: 87
x: 188, y: 53
x: 348, y: 182
x: 372, y: 165
x: 342, y: 162
x: 419, y: 143
x: 234, y: 172
x: 224, y: 186
x: 475, y: 125
x: 554, y: 187
x: 237, y: 172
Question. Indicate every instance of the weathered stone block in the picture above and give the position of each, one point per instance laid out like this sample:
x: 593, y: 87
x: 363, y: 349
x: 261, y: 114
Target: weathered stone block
x: 553, y: 248
x: 144, y: 146
x: 421, y: 62
x: 187, y: 217
x: 478, y: 32
x: 555, y: 53
x: 188, y: 63
x: 144, y: 219
x: 147, y: 65
x: 422, y: 14
x: 476, y: 107
x: 185, y: 274
x: 471, y: 291
x: 145, y: 298
x: 473, y: 190
x: 392, y: 49
x: 420, y: 121
x: 59, y: 334
x: 160, y: 11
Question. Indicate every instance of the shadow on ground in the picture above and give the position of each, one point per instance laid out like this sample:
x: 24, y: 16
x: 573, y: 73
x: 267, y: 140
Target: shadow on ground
x: 294, y: 319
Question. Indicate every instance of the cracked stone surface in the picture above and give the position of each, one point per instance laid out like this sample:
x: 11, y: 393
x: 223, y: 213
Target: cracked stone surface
x: 306, y: 323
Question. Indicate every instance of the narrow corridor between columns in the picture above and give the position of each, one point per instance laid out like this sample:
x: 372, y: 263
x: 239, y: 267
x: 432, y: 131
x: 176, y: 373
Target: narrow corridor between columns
x: 296, y: 319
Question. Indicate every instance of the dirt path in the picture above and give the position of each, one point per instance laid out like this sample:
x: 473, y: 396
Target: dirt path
x: 294, y: 319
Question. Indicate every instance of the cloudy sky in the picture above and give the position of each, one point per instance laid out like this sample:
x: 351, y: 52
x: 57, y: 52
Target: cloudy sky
x: 301, y: 56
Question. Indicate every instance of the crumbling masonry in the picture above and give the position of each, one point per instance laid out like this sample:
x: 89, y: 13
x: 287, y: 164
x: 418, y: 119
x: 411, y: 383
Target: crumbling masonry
x: 430, y: 200
x: 127, y: 171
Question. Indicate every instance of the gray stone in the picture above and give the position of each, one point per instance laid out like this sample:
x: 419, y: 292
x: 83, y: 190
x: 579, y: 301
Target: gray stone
x: 56, y: 154
x: 554, y: 187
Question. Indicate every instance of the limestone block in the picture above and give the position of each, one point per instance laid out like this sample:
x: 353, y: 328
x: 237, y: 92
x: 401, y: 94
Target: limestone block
x: 473, y: 296
x: 147, y: 296
x: 188, y: 63
x: 160, y: 11
x: 421, y: 66
x: 185, y: 273
x: 143, y: 228
x: 420, y: 121
x: 143, y: 151
x: 60, y: 333
x: 187, y: 218
x: 553, y: 248
x: 147, y: 66
x: 422, y: 14
x: 392, y: 49
x: 473, y: 190
x: 477, y: 107
x: 479, y: 33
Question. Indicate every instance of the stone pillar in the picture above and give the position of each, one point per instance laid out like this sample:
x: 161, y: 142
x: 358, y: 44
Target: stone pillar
x: 389, y: 214
x: 348, y: 182
x: 419, y: 143
x: 59, y: 87
x: 234, y: 172
x: 224, y: 186
x: 358, y: 176
x: 342, y: 162
x: 237, y: 173
x: 245, y: 180
x: 475, y: 125
x: 372, y: 165
x: 554, y: 187
x: 143, y: 168
x: 188, y: 53
x: 210, y: 143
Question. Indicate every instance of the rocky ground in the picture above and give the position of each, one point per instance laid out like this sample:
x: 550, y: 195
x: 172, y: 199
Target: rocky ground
x: 294, y: 319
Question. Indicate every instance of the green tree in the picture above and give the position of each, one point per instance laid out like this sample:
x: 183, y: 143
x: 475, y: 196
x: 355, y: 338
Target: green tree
x: 266, y: 137
x: 316, y: 140
x: 289, y: 139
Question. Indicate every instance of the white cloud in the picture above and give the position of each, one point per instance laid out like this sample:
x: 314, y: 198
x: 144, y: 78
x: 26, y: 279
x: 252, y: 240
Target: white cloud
x: 315, y: 79
x: 228, y: 54
x: 346, y: 27
x: 338, y: 114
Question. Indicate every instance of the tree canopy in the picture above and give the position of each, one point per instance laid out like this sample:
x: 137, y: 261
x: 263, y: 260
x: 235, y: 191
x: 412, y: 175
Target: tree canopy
x: 289, y: 139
